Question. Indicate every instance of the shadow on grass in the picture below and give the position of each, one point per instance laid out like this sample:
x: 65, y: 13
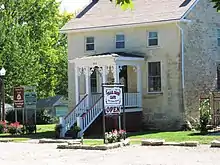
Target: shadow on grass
x: 214, y: 133
x: 129, y: 134
x: 38, y: 135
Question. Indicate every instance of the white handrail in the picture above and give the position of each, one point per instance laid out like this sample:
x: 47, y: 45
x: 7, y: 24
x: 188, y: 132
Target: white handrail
x: 91, y: 115
x: 71, y: 117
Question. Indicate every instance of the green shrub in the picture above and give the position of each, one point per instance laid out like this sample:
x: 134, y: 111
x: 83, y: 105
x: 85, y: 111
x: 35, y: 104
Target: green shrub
x: 43, y: 117
x: 30, y: 129
x: 2, y: 127
x: 10, y: 116
x: 205, y: 116
x: 57, y: 128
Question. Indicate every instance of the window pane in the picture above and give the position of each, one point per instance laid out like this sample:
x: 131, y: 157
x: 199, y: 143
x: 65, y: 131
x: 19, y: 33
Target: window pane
x: 154, y: 68
x: 154, y: 77
x: 152, y: 34
x: 218, y: 41
x: 90, y: 47
x: 153, y: 42
x: 120, y: 45
x: 120, y: 37
x: 90, y: 40
x: 154, y: 84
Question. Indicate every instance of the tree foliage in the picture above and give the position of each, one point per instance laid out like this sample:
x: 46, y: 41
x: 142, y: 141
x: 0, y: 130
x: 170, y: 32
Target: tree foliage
x: 217, y: 4
x: 32, y: 50
x: 124, y: 3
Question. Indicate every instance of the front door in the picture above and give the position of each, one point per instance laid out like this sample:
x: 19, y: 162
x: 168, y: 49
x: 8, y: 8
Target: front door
x: 123, y: 78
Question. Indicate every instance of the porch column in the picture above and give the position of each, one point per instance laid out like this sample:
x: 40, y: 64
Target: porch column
x: 88, y: 86
x: 77, y: 83
x: 104, y: 74
x: 116, y: 73
x: 116, y: 80
x: 139, y: 85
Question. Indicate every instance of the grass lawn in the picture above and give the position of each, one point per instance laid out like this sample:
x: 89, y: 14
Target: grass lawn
x: 178, y: 136
x: 47, y: 131
x: 175, y: 137
x: 43, y: 131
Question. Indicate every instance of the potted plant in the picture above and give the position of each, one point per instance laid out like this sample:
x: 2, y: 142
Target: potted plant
x: 58, y: 128
x: 75, y: 131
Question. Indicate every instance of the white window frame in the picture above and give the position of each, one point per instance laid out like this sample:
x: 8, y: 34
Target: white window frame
x: 89, y: 43
x: 218, y: 37
x: 148, y: 38
x: 148, y: 76
x: 120, y: 41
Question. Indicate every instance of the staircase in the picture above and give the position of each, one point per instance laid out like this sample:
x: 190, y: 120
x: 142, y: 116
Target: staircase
x: 84, y: 114
x: 87, y: 119
x: 70, y: 119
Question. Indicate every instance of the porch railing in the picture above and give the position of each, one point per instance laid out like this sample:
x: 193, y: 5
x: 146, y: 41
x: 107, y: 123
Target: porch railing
x: 131, y: 100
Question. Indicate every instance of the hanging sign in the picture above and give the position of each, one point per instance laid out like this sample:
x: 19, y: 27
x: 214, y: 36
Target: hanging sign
x: 112, y: 100
x: 112, y: 96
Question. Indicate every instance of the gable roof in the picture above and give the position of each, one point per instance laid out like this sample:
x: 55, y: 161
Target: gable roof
x: 48, y: 102
x: 104, y: 13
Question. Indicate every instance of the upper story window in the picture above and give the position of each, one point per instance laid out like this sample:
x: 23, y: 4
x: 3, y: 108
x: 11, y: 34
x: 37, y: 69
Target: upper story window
x: 152, y: 39
x: 90, y: 43
x: 154, y: 77
x: 120, y: 41
x: 218, y: 36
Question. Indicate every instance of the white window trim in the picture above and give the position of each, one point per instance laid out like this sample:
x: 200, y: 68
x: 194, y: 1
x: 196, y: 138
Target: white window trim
x: 148, y: 38
x: 119, y: 40
x: 85, y: 41
x: 218, y: 36
x: 161, y: 81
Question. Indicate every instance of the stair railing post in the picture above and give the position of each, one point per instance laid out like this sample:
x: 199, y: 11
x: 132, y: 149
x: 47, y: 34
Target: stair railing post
x: 79, y: 124
x: 61, y: 122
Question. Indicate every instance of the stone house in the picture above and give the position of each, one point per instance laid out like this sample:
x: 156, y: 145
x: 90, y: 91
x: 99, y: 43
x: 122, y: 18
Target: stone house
x: 165, y: 52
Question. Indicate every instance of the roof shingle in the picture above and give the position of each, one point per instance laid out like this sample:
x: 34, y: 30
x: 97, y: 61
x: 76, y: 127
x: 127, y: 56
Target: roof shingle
x: 104, y: 13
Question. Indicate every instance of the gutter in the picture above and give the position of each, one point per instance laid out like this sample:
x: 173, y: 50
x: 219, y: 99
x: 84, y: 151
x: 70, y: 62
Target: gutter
x: 130, y: 25
x: 182, y: 56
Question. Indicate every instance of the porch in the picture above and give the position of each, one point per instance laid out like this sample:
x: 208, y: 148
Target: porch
x: 92, y: 71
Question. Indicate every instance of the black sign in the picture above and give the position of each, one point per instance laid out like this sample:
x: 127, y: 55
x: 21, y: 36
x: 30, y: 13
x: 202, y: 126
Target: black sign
x: 18, y: 97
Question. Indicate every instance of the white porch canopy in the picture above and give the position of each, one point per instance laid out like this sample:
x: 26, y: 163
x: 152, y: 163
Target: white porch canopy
x: 106, y: 63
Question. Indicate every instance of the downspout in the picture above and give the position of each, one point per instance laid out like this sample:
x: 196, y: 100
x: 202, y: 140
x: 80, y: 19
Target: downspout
x: 182, y: 54
x: 182, y: 68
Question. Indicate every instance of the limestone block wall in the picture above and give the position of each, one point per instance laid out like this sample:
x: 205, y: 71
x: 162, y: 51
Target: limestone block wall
x: 201, y: 54
x: 160, y: 110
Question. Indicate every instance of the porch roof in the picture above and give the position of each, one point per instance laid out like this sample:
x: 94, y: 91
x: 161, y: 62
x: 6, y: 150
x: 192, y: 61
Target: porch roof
x: 109, y: 58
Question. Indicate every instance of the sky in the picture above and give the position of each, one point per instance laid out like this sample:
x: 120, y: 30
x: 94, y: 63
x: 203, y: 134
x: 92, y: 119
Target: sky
x: 72, y: 5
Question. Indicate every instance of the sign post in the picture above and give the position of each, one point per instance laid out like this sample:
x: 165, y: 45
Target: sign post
x: 30, y: 102
x: 113, y: 102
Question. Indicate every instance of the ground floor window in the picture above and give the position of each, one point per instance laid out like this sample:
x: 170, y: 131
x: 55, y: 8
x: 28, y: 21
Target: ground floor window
x: 154, y: 76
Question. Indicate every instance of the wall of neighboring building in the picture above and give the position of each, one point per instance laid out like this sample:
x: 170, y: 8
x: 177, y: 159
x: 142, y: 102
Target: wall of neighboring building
x: 160, y: 110
x: 201, y: 54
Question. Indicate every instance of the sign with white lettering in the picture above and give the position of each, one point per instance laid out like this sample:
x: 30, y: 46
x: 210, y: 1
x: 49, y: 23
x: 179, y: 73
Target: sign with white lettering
x: 112, y: 100
x: 18, y: 97
x: 112, y: 97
